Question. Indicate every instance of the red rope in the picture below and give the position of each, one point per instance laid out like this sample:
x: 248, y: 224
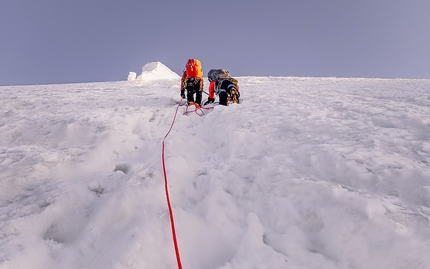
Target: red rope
x: 172, y: 222
x: 198, y: 111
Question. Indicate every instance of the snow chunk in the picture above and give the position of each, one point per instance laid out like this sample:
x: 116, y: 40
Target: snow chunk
x: 153, y: 71
x: 131, y: 76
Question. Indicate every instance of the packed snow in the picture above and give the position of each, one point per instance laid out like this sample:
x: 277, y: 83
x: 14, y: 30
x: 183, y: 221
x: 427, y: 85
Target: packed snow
x: 153, y: 71
x: 303, y: 173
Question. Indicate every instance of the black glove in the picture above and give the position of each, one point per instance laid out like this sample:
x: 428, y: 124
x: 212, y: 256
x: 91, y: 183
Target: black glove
x: 183, y: 93
x: 210, y: 100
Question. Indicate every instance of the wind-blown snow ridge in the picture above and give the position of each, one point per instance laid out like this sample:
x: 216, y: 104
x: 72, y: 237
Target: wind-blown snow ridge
x: 153, y: 71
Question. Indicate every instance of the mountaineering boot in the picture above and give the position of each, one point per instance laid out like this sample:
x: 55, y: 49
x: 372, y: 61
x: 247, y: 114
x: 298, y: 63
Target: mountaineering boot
x: 233, y: 96
x: 193, y: 104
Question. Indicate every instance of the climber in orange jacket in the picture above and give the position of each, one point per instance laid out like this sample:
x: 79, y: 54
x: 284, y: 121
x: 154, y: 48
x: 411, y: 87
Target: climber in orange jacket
x: 192, y: 81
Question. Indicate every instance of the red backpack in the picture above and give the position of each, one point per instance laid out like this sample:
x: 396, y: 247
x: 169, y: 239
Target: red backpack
x: 193, y: 68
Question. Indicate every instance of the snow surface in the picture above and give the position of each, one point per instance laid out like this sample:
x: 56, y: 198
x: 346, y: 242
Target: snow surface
x: 152, y: 71
x: 304, y: 173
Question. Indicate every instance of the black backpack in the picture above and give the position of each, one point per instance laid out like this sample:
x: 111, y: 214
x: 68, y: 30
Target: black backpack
x: 216, y: 74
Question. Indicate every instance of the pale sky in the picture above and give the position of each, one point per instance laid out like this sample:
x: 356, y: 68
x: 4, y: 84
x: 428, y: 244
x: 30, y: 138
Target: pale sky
x: 51, y: 41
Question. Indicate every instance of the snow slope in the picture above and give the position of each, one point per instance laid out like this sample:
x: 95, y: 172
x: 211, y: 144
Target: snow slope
x: 304, y: 173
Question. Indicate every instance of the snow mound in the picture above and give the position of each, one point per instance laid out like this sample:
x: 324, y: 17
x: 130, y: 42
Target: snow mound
x: 153, y: 71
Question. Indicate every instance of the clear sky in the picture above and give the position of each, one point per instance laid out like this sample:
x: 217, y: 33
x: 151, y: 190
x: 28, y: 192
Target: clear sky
x: 51, y: 41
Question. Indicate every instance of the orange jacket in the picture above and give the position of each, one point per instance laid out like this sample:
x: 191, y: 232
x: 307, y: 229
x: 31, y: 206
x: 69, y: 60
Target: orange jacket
x: 184, y: 81
x: 193, y: 68
x: 212, y: 89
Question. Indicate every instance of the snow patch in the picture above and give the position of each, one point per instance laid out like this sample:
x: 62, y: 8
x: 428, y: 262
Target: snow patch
x: 153, y: 71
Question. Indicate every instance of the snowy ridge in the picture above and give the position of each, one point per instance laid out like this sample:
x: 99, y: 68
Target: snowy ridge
x: 320, y: 173
x: 154, y: 71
